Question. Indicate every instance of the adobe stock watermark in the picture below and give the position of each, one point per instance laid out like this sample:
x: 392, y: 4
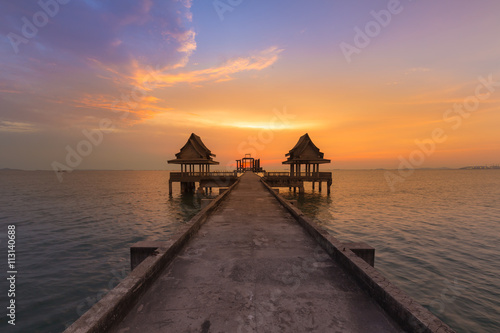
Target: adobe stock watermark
x: 94, y: 138
x: 372, y: 29
x: 30, y: 26
x: 454, y: 116
x: 292, y: 279
x: 448, y: 295
x: 253, y: 144
x: 222, y: 7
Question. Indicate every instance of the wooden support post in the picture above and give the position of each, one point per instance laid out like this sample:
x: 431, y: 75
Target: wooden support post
x: 320, y: 185
x: 170, y: 187
x: 313, y: 184
x: 329, y: 185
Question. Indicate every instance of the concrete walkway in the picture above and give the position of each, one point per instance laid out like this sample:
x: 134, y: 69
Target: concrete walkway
x: 252, y: 268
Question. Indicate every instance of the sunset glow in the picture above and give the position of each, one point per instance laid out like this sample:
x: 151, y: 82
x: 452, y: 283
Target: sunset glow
x: 147, y: 74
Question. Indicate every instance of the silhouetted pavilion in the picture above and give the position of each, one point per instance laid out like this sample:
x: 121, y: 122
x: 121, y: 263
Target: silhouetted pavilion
x: 305, y: 153
x: 248, y: 163
x: 193, y: 153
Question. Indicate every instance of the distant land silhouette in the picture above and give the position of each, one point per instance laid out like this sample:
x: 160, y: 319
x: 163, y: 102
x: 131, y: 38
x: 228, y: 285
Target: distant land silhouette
x: 481, y: 167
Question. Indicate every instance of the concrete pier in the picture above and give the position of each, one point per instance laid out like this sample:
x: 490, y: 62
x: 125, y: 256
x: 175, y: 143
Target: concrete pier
x: 252, y: 268
x: 250, y: 261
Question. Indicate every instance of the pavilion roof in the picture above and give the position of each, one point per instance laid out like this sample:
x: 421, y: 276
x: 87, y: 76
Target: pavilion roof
x: 194, y: 152
x: 305, y: 151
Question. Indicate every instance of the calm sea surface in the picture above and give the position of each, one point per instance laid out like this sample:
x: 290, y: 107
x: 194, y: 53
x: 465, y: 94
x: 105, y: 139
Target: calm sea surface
x: 437, y: 237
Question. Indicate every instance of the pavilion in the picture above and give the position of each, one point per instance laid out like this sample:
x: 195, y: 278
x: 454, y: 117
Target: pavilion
x: 193, y: 153
x: 305, y: 153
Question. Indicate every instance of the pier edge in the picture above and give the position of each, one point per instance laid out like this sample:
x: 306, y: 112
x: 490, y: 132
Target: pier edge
x: 398, y: 305
x: 115, y: 304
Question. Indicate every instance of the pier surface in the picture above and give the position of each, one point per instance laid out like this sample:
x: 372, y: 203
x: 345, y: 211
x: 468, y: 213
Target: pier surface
x: 252, y: 268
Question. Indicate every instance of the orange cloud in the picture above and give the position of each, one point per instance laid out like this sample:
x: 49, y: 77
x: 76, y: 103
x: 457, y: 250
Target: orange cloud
x: 140, y: 101
x: 256, y: 62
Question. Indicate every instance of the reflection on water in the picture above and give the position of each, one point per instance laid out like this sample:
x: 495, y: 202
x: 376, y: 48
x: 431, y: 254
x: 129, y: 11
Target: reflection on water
x: 74, y: 237
x: 436, y: 237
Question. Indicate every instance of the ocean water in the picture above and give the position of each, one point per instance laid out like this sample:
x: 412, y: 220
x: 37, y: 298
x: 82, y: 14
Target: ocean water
x: 437, y: 236
x: 73, y: 238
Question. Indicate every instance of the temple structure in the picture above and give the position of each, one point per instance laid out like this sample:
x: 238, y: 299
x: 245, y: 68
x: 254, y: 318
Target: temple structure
x: 194, y: 153
x: 195, y: 160
x: 248, y: 163
x: 306, y: 154
x: 304, y: 160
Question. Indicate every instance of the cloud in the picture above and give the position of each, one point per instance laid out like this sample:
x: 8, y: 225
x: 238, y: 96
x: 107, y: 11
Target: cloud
x: 257, y: 62
x: 139, y: 102
x: 11, y: 126
x: 113, y: 32
x: 90, y: 48
x: 115, y: 58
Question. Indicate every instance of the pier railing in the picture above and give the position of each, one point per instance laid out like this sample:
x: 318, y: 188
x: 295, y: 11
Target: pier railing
x: 316, y: 175
x: 179, y: 176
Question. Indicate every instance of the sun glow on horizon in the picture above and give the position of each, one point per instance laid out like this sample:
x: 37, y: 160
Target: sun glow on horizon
x: 271, y: 125
x: 261, y: 85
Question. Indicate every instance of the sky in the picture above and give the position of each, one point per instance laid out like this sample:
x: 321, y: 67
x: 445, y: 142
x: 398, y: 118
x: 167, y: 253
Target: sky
x: 121, y: 84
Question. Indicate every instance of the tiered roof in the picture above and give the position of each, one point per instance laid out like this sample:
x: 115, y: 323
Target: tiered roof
x: 305, y: 151
x: 194, y: 152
